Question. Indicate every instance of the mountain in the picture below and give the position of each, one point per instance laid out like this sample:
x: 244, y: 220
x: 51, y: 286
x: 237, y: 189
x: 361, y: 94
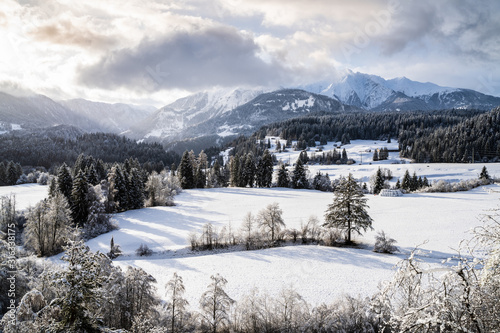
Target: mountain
x: 39, y: 111
x: 375, y: 93
x: 36, y: 111
x: 264, y: 109
x: 112, y: 118
x: 171, y: 120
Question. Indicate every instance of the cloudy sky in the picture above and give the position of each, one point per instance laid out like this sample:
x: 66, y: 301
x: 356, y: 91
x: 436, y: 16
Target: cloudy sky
x: 153, y: 51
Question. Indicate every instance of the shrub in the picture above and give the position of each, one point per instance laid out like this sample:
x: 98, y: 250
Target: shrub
x: 384, y: 244
x: 143, y: 250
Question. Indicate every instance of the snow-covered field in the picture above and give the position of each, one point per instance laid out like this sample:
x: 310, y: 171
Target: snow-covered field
x: 436, y: 222
x: 26, y: 194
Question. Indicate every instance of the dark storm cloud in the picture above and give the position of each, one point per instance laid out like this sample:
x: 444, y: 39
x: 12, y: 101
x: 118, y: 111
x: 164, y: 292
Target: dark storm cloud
x: 188, y: 60
x: 457, y: 27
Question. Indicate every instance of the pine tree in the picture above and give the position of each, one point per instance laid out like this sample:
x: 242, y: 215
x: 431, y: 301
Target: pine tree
x: 299, y: 177
x: 379, y: 182
x: 64, y: 182
x: 265, y: 170
x: 406, y: 183
x: 3, y: 174
x: 201, y: 180
x: 375, y: 155
x: 118, y: 188
x: 249, y: 170
x: 398, y: 184
x: 414, y: 182
x: 79, y: 199
x: 344, y: 156
x: 484, y: 174
x: 135, y: 189
x: 348, y: 210
x: 283, y: 179
x: 234, y: 165
x: 186, y: 172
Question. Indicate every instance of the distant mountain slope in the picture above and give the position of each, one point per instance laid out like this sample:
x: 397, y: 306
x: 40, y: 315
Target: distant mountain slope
x: 265, y: 109
x: 172, y: 119
x: 35, y: 112
x: 113, y: 118
x: 39, y: 111
x: 374, y: 93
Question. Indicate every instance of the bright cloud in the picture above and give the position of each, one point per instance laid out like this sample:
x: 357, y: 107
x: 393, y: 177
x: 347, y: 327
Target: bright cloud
x: 154, y: 51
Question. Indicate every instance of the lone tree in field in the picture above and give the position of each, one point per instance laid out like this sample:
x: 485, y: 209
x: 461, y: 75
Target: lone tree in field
x: 348, y: 210
x: 270, y: 220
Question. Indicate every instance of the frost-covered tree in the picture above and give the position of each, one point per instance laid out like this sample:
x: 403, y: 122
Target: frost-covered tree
x: 80, y: 286
x: 161, y: 189
x: 248, y: 230
x: 348, y: 210
x: 176, y: 303
x: 48, y: 225
x: 98, y: 221
x: 215, y: 305
x: 271, y: 221
x: 384, y: 244
x: 7, y: 212
x: 322, y: 182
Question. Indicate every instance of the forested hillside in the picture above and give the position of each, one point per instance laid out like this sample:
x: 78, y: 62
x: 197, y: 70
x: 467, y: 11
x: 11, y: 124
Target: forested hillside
x: 47, y: 149
x: 446, y: 136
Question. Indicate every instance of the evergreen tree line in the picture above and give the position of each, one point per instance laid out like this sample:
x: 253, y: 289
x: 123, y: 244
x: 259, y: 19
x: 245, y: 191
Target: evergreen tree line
x: 364, y: 126
x: 49, y: 151
x: 474, y: 139
x: 10, y: 173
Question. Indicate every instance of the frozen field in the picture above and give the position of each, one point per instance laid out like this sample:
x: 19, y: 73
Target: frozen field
x: 437, y: 223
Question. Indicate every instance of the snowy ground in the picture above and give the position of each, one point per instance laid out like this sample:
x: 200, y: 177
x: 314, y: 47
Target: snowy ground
x: 435, y: 222
x: 26, y: 195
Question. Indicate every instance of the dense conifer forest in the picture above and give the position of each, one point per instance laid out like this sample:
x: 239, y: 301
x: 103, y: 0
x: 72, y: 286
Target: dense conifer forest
x: 38, y: 149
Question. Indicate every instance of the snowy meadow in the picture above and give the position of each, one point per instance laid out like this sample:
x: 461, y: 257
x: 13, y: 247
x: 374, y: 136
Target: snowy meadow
x: 435, y: 223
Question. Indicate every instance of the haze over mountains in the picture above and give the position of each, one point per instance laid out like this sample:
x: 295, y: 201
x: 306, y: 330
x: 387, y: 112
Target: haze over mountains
x: 221, y: 113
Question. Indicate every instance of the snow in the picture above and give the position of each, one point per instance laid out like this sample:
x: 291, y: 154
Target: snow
x: 26, y: 194
x: 435, y: 222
